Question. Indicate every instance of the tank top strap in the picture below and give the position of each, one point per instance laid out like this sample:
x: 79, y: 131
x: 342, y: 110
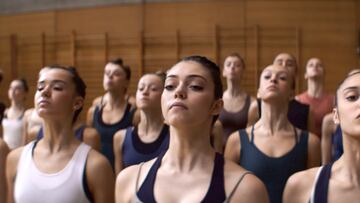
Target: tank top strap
x: 216, y: 191
x: 138, y: 176
x: 146, y: 190
x: 320, y: 189
x: 252, y: 135
x: 228, y: 199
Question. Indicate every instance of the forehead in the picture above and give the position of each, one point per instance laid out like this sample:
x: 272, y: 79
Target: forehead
x: 150, y: 78
x: 352, y: 81
x: 314, y: 60
x: 111, y: 66
x: 55, y: 74
x: 16, y: 83
x: 284, y: 57
x: 232, y: 58
x: 275, y: 69
x: 184, y: 69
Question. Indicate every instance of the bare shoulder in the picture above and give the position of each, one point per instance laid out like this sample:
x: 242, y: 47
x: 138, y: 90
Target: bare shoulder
x: 299, y: 185
x: 245, y: 186
x: 129, y: 180
x: 314, y: 140
x: 12, y: 160
x: 97, y: 101
x: 97, y: 161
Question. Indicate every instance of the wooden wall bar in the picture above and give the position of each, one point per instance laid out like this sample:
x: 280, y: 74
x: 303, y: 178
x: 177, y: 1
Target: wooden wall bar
x: 153, y: 36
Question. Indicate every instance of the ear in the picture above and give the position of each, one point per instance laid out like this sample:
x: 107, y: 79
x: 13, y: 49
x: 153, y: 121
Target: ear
x: 336, y: 118
x: 217, y: 107
x: 79, y: 102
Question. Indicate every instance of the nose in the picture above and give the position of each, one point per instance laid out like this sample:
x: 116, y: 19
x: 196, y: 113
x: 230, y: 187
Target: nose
x: 273, y: 79
x: 46, y: 91
x: 180, y: 92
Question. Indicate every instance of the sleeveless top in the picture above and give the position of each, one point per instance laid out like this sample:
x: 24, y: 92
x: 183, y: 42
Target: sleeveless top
x: 79, y: 133
x: 134, y: 151
x: 107, y: 131
x: 319, y: 192
x: 298, y: 113
x: 337, y: 144
x: 319, y: 107
x: 13, y: 131
x: 273, y: 171
x: 233, y: 121
x: 216, y: 191
x: 64, y: 186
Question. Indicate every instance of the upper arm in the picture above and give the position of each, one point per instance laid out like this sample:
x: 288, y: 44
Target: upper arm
x: 328, y: 127
x: 233, y: 147
x: 11, y: 168
x: 314, y: 152
x: 100, y: 178
x: 4, y: 150
x: 298, y: 187
x: 90, y: 116
x: 253, y: 114
x: 117, y: 147
x: 92, y: 138
x: 217, y: 134
x: 251, y: 189
x: 126, y: 184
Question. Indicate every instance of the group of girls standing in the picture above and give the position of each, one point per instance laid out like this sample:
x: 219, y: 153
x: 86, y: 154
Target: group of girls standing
x: 160, y: 144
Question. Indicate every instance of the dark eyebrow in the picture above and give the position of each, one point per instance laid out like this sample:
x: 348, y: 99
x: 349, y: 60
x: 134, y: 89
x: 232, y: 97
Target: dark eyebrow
x: 350, y: 88
x: 52, y: 81
x: 188, y: 77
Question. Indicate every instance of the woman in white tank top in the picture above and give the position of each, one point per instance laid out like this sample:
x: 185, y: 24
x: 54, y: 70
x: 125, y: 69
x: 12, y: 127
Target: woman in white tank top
x: 12, y: 123
x: 59, y: 168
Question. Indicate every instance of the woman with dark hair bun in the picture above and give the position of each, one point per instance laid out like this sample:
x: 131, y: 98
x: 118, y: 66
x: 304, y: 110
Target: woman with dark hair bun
x: 12, y: 123
x: 59, y: 168
x: 112, y: 112
x: 190, y: 170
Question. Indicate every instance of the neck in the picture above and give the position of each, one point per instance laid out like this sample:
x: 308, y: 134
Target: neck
x: 315, y: 88
x: 189, y: 148
x: 57, y: 135
x: 233, y: 87
x: 349, y: 163
x: 17, y: 105
x: 150, y: 121
x: 115, y: 99
x: 274, y: 117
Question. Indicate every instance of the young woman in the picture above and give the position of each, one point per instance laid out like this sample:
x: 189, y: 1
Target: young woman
x: 190, y: 167
x: 4, y: 150
x: 298, y: 113
x: 113, y: 112
x: 320, y: 103
x: 12, y: 123
x: 151, y: 136
x: 273, y: 148
x: 59, y: 168
x: 234, y: 115
x: 338, y: 181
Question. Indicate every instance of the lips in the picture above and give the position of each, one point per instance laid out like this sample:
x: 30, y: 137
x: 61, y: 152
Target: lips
x: 178, y: 105
x: 43, y: 102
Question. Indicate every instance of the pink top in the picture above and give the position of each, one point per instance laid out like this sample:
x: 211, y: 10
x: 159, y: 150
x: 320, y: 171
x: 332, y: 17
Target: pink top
x: 319, y: 107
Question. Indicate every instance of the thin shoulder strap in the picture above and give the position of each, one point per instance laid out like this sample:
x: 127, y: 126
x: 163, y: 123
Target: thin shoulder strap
x: 236, y: 186
x: 138, y: 176
x: 252, y: 134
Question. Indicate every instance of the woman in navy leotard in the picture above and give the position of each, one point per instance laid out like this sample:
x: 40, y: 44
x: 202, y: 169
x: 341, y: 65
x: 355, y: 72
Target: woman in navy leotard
x: 338, y: 181
x: 190, y: 170
x: 145, y: 141
x: 273, y: 148
x: 112, y: 112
